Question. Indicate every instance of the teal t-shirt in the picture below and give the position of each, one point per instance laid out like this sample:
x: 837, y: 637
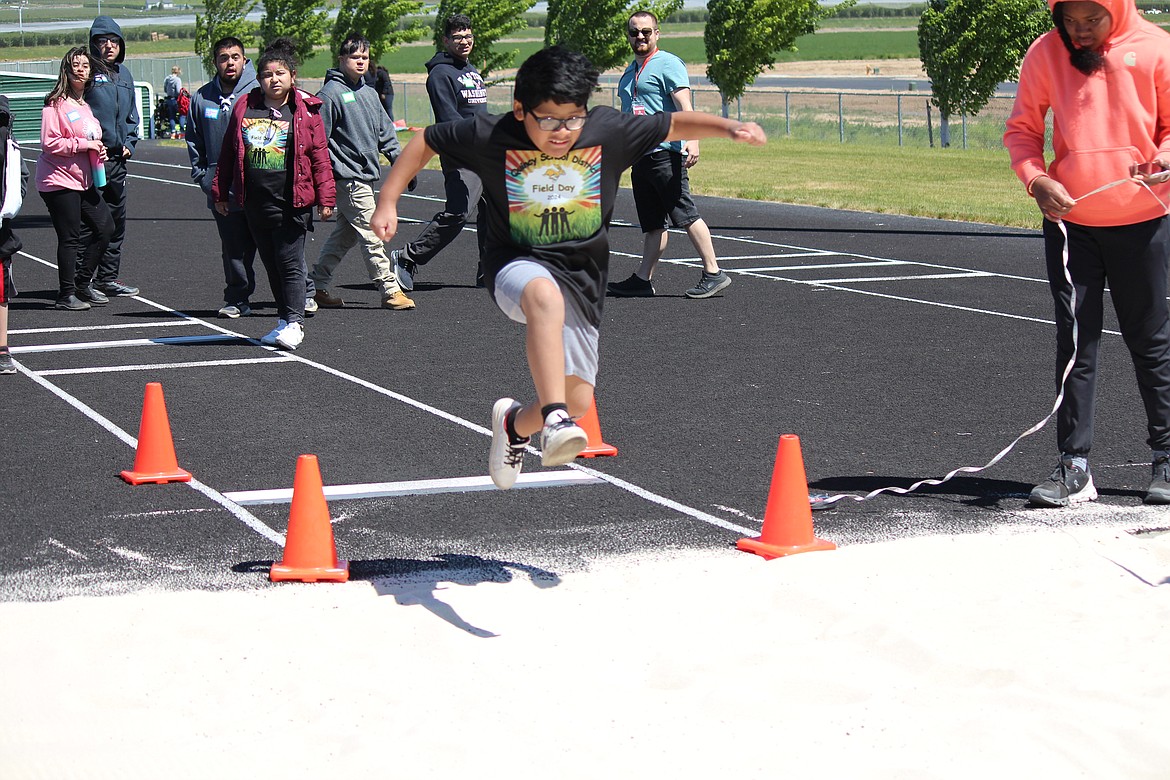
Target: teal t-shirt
x: 648, y: 89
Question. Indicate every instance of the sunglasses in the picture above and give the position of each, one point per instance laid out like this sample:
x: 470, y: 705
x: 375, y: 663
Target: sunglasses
x: 645, y: 32
x: 551, y: 124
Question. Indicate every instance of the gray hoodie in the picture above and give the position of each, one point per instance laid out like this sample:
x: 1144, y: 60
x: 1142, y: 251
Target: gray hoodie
x: 207, y: 122
x: 357, y: 127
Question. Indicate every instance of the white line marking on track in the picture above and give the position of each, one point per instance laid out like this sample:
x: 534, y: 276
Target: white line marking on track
x: 418, y: 487
x: 70, y: 550
x: 157, y: 366
x: 155, y: 342
x: 856, y: 279
x: 92, y: 328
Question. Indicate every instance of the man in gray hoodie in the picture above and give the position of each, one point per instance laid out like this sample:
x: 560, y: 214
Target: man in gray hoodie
x: 358, y: 129
x: 211, y: 108
x: 114, y: 102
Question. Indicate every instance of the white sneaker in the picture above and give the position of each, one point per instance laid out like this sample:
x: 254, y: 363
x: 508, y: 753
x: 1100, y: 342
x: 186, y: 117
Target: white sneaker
x: 310, y: 305
x: 233, y: 311
x: 561, y: 440
x: 506, y: 459
x: 291, y: 336
x: 269, y: 339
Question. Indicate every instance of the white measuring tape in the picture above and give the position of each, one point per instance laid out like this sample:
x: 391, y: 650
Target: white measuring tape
x: 824, y: 500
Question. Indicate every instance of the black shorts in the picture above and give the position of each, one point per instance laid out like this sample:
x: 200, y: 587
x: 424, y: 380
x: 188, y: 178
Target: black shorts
x: 7, y: 289
x: 661, y: 190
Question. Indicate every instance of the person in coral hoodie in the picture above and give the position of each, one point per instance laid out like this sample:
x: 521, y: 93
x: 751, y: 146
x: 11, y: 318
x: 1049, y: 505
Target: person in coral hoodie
x: 1104, y: 73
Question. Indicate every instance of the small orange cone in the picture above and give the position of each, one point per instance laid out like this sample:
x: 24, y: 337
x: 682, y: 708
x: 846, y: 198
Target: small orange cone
x: 309, y: 552
x: 596, y: 447
x: 788, y: 526
x: 154, y: 460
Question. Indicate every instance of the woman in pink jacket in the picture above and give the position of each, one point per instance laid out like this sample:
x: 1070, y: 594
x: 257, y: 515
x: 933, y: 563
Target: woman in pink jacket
x: 1104, y: 73
x: 71, y: 145
x: 276, y: 155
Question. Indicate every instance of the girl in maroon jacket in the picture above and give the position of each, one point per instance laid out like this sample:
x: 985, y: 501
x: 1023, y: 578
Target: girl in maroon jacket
x: 275, y: 146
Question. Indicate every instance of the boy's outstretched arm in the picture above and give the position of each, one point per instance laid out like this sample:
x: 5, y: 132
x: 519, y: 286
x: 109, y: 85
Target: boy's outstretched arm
x: 413, y: 159
x: 687, y: 125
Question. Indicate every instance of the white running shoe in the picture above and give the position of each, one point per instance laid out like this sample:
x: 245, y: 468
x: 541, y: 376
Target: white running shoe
x: 269, y: 338
x: 291, y: 336
x: 561, y: 440
x: 506, y: 459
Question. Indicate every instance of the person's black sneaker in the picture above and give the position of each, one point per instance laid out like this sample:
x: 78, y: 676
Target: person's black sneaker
x: 6, y: 364
x: 92, y: 295
x: 1067, y: 485
x: 71, y: 303
x: 1159, y: 490
x: 404, y: 269
x: 116, y: 289
x: 709, y: 285
x: 634, y: 287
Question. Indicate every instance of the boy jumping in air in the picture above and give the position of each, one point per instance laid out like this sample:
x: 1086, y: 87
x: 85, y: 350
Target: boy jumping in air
x: 550, y: 170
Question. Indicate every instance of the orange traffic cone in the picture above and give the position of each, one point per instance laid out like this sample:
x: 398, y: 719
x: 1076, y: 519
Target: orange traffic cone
x: 155, y: 460
x: 309, y: 553
x: 788, y: 526
x: 596, y: 447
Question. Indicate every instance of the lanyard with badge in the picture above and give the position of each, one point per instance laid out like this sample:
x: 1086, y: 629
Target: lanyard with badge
x: 638, y: 107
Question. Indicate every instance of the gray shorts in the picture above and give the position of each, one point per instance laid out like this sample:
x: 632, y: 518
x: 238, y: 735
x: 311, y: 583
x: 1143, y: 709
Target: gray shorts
x: 580, y: 336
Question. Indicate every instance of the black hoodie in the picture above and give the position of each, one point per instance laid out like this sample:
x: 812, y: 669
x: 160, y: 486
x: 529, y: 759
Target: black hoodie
x: 112, y: 96
x: 455, y: 87
x: 9, y: 243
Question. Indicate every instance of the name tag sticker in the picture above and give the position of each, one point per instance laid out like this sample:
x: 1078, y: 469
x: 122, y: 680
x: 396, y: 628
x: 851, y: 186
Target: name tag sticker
x: 348, y: 97
x: 211, y: 112
x: 74, y: 116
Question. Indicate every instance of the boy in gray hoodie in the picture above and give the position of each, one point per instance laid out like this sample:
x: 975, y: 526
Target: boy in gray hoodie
x: 211, y: 108
x: 358, y: 130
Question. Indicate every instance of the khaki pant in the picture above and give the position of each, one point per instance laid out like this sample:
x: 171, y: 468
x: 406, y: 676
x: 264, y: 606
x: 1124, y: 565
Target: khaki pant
x: 355, y: 207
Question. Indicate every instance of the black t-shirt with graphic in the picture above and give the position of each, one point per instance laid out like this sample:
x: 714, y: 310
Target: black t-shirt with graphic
x: 266, y: 135
x: 554, y: 210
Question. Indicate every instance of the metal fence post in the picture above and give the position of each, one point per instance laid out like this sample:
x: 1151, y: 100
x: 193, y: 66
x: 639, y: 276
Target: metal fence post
x: 841, y: 115
x: 899, y: 120
x: 787, y: 116
x: 964, y: 115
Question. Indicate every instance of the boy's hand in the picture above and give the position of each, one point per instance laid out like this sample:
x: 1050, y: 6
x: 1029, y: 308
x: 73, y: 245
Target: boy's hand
x: 749, y: 133
x: 222, y: 208
x: 324, y: 212
x: 384, y: 223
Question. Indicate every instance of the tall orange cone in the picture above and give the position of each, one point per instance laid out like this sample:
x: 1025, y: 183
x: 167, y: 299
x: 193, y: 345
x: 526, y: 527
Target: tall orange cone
x: 596, y: 447
x: 155, y: 459
x: 788, y: 526
x: 309, y: 552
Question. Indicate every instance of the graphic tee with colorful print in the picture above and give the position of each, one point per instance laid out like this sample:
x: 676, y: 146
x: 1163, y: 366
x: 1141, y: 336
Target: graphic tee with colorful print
x: 555, y: 210
x: 265, y: 135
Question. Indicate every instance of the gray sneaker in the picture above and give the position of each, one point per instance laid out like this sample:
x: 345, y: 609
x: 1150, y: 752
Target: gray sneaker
x: 1066, y: 486
x: 6, y: 364
x: 561, y: 440
x: 709, y: 285
x: 233, y: 311
x: 1159, y: 490
x: 507, y: 457
x: 404, y: 269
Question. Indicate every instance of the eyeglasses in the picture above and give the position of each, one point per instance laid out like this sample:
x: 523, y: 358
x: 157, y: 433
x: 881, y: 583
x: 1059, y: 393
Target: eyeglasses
x: 551, y: 124
x: 645, y: 32
x: 104, y: 39
x: 462, y: 38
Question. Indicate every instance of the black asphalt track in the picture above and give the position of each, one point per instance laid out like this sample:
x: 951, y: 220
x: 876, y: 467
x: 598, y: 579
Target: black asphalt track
x: 896, y: 348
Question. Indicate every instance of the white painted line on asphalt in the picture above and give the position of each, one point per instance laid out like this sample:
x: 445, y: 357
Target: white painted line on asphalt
x: 856, y: 279
x: 418, y: 487
x: 238, y: 511
x: 91, y: 328
x: 156, y: 366
x: 162, y: 341
x: 818, y: 266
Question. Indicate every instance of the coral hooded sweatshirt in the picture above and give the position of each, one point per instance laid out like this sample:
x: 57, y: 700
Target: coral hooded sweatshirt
x: 1101, y: 123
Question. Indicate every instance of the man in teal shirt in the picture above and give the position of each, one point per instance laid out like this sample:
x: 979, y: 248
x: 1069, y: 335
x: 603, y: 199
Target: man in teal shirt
x: 657, y: 82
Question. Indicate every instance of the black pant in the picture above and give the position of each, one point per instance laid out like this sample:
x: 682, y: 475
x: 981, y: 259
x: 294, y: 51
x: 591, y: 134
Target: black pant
x: 463, y: 189
x: 69, y: 210
x: 282, y: 250
x: 1135, y: 262
x: 239, y: 253
x: 114, y: 194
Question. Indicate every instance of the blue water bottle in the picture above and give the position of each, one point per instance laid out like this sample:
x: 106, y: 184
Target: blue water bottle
x: 99, y: 169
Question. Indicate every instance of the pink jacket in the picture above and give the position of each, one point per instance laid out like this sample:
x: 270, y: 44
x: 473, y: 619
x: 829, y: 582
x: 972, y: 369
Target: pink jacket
x: 1101, y: 123
x: 311, y: 169
x: 65, y: 162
